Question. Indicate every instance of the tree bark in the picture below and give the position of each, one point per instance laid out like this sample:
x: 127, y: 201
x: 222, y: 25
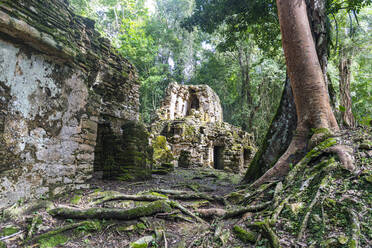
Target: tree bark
x: 278, y: 136
x: 345, y: 98
x: 307, y: 81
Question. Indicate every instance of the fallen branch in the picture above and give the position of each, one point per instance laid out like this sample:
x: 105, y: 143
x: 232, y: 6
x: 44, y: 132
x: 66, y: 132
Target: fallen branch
x: 11, y: 235
x: 112, y: 213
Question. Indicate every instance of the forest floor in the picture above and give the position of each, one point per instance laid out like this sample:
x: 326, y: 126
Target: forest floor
x: 319, y: 204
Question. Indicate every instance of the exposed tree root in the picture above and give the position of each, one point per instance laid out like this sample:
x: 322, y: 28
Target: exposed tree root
x: 296, y: 151
x: 282, y: 166
x: 185, y: 211
x: 188, y: 195
x: 224, y: 214
x: 267, y: 232
x: 112, y: 213
x: 259, y: 191
x: 307, y: 215
x: 345, y: 154
x: 58, y: 230
x: 128, y: 197
x: 278, y: 210
x: 277, y: 193
x: 243, y: 210
x: 355, y: 229
x: 211, y: 212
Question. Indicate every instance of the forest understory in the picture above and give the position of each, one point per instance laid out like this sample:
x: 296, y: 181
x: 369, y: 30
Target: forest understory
x: 318, y: 204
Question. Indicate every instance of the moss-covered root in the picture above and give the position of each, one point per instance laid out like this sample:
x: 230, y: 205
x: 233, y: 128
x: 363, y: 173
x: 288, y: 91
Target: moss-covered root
x: 185, y: 211
x: 244, y: 235
x: 278, y: 210
x: 268, y: 233
x: 307, y: 215
x: 58, y: 231
x: 128, y: 197
x: 243, y: 210
x: 355, y: 229
x: 314, y: 153
x: 259, y: 191
x: 113, y: 213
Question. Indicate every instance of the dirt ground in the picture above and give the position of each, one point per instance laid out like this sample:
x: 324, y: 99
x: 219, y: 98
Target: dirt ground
x: 179, y: 230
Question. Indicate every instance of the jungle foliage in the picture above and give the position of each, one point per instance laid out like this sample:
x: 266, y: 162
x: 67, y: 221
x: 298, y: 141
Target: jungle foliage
x: 233, y: 46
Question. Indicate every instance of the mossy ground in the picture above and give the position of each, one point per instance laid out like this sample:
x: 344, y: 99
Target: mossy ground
x: 319, y: 204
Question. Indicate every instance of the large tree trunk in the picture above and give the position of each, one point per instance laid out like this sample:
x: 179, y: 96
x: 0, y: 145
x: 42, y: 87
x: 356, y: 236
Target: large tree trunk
x: 307, y: 80
x: 345, y: 98
x: 277, y: 138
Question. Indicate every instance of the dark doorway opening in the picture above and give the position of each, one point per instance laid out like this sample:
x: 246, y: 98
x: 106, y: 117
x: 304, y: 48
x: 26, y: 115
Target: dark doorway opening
x: 103, y: 147
x: 218, y: 157
x: 246, y: 156
x: 193, y: 102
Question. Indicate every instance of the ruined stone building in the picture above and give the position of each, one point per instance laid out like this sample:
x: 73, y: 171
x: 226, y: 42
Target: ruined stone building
x: 190, y: 119
x: 69, y: 104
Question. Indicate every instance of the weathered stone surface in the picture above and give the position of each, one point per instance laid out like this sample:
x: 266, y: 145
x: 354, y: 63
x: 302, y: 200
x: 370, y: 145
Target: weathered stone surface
x: 198, y: 101
x: 196, y: 133
x: 124, y: 157
x: 59, y: 80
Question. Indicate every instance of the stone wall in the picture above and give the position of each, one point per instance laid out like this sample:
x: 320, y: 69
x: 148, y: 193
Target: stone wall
x: 199, y: 137
x: 182, y: 101
x: 59, y: 81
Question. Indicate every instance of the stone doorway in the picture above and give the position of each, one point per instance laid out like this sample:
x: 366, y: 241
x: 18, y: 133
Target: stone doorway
x: 218, y: 157
x: 246, y: 156
x: 193, y: 102
x: 104, y: 147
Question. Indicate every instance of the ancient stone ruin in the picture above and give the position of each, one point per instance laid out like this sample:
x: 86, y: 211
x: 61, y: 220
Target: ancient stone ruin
x: 190, y: 119
x: 67, y: 103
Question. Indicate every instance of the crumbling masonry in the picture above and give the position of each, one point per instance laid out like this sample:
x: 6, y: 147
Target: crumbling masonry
x: 61, y: 84
x: 191, y: 121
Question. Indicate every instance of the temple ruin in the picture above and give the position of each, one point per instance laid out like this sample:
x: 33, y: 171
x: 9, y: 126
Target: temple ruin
x: 67, y: 103
x: 191, y: 120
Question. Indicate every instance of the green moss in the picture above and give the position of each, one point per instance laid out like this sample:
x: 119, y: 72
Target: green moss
x: 138, y: 245
x: 140, y: 226
x: 315, y: 152
x: 8, y: 231
x: 235, y: 197
x: 158, y: 194
x: 53, y: 241
x: 76, y: 199
x: 91, y: 226
x: 320, y: 130
x: 243, y: 235
x: 162, y: 154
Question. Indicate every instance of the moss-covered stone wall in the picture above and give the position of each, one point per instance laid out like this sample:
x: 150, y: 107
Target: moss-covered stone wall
x: 190, y: 119
x: 58, y: 80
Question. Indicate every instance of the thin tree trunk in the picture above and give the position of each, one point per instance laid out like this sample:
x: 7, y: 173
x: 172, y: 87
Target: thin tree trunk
x: 307, y: 80
x: 345, y: 98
